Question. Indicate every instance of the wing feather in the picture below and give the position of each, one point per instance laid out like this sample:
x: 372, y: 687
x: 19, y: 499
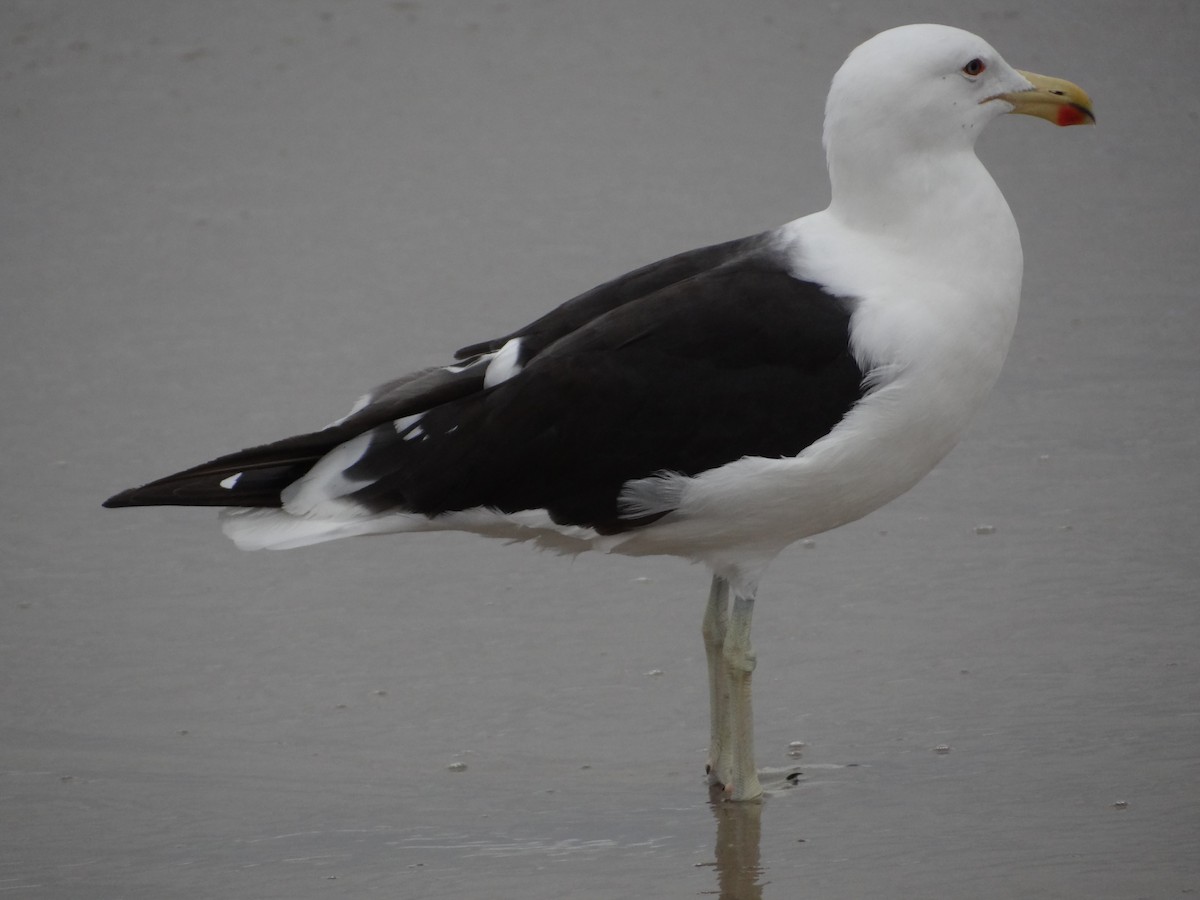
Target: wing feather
x: 680, y: 366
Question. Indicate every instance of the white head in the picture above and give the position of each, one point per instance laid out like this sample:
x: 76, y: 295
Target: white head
x: 925, y: 92
x: 918, y: 87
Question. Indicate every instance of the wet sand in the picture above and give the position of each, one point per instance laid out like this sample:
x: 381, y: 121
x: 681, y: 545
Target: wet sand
x: 222, y: 222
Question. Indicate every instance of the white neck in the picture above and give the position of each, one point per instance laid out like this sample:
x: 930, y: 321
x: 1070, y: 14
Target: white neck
x: 910, y: 193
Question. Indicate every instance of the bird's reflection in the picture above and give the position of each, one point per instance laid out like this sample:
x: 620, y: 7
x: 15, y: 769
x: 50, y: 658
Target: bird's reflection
x: 739, y: 830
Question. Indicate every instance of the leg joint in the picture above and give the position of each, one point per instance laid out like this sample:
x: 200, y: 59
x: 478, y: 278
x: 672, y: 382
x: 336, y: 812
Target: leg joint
x: 740, y: 659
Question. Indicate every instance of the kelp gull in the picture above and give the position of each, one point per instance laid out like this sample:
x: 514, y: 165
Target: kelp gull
x: 718, y: 405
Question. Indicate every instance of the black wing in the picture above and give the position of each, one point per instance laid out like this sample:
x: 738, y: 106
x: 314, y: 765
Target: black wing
x: 577, y: 312
x: 254, y: 477
x: 264, y: 470
x: 682, y: 366
x: 742, y: 360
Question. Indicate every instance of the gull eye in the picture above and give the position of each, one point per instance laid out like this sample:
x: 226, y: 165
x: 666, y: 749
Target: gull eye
x: 974, y: 68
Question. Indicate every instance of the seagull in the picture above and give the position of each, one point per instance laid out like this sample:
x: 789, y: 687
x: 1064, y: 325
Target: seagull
x: 718, y: 405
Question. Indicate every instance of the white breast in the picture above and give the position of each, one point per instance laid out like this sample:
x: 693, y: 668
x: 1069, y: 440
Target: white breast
x: 932, y: 321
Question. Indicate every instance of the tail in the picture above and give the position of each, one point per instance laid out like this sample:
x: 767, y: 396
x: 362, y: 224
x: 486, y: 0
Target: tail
x: 248, y: 478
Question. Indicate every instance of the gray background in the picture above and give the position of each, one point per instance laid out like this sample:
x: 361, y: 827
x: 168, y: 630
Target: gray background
x: 223, y: 220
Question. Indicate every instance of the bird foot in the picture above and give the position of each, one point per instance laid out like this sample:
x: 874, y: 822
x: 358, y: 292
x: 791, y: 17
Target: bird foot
x: 728, y: 789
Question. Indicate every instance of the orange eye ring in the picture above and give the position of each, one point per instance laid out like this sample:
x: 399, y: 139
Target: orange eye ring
x: 974, y: 68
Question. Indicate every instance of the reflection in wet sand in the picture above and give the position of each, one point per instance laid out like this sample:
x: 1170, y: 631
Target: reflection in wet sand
x: 739, y: 832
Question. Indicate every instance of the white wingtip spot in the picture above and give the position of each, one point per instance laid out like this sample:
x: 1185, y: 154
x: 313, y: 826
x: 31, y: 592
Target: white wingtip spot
x: 231, y: 482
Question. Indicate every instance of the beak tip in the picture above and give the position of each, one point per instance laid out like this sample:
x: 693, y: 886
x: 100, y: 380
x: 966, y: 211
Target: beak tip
x: 1075, y: 114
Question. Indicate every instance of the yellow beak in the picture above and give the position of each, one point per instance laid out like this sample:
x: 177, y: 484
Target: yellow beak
x: 1052, y: 99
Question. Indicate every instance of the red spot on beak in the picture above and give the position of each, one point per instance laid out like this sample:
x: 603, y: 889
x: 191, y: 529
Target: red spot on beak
x: 1073, y: 115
